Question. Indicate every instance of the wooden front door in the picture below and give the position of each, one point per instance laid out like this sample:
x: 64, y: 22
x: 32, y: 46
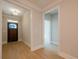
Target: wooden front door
x: 12, y: 32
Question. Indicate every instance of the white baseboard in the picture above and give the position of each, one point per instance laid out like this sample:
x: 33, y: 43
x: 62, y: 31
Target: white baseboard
x: 66, y: 56
x: 27, y: 44
x: 37, y: 47
x: 54, y: 43
x: 5, y: 42
x: 19, y: 39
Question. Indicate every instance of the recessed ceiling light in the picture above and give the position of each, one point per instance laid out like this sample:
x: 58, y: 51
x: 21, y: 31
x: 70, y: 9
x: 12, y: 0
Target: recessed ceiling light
x: 12, y: 21
x: 15, y: 11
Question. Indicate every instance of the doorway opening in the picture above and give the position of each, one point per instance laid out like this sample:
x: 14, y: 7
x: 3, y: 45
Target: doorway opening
x: 12, y: 31
x: 13, y: 21
x: 51, y: 29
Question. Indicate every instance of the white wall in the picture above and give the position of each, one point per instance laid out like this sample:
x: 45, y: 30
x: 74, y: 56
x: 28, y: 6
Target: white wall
x: 54, y: 28
x: 4, y: 29
x: 0, y: 34
x: 32, y: 32
x: 20, y: 33
x: 0, y: 30
x: 36, y: 30
x: 26, y: 28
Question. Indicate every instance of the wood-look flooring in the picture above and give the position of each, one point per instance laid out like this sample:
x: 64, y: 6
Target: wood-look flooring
x: 18, y: 50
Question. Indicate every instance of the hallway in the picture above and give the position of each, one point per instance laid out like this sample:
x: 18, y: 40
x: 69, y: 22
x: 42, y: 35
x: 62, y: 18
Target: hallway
x: 18, y: 50
x: 29, y: 14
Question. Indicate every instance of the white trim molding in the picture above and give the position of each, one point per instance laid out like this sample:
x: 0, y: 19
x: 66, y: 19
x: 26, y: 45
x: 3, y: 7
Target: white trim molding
x: 5, y: 42
x: 24, y: 4
x: 66, y: 56
x: 19, y: 39
x: 37, y: 47
x: 50, y: 10
x: 27, y: 44
x: 51, y: 5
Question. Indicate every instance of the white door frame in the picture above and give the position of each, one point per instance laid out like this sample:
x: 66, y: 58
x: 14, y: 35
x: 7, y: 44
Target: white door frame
x: 50, y: 10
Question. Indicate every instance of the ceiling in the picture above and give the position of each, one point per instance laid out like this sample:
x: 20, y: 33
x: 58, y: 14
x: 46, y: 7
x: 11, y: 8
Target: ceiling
x: 6, y: 7
x: 51, y: 13
x: 39, y: 3
x: 42, y: 3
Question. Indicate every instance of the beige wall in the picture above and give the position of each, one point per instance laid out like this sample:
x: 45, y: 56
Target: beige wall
x: 26, y: 28
x: 4, y: 29
x: 68, y: 31
x: 0, y: 34
x: 68, y: 26
x: 20, y: 33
